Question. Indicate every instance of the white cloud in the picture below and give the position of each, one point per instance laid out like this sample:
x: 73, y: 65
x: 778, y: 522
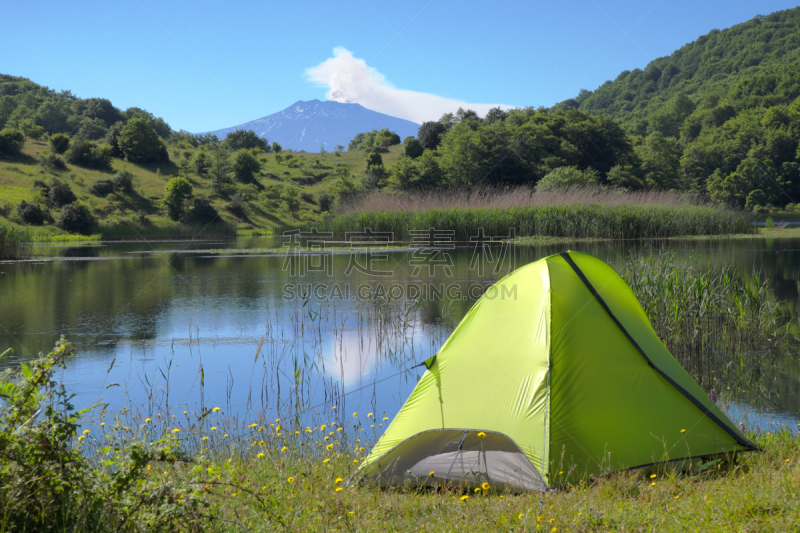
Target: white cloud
x: 350, y: 80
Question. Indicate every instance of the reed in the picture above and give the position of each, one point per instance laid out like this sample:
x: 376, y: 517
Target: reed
x: 722, y: 327
x: 571, y: 213
x: 12, y: 242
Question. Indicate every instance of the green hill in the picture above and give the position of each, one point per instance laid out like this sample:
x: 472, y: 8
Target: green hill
x: 268, y: 190
x: 720, y: 115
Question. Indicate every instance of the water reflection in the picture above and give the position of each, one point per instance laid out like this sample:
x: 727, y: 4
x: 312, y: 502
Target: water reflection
x: 163, y: 311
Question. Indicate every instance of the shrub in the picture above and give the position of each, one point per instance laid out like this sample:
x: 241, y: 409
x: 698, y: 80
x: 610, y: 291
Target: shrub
x: 88, y: 154
x: 325, y: 202
x: 59, y: 143
x: 201, y: 212
x: 75, y: 218
x: 289, y: 196
x: 11, y: 141
x: 124, y: 182
x: 178, y: 190
x: 48, y: 483
x: 52, y: 161
x: 60, y: 194
x: 565, y: 177
x: 31, y: 213
x: 235, y: 205
x: 101, y: 188
x: 306, y: 197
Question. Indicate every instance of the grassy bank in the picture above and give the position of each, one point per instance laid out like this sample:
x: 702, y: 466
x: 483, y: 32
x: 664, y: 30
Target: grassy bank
x: 210, y: 471
x: 578, y: 213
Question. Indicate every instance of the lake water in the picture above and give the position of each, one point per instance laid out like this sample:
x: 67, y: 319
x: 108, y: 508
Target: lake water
x: 236, y: 324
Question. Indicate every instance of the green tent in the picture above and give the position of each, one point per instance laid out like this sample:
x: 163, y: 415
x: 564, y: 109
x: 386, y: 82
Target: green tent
x: 553, y: 375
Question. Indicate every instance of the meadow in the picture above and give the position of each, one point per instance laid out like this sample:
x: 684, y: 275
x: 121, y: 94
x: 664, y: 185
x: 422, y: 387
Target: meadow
x: 157, y: 468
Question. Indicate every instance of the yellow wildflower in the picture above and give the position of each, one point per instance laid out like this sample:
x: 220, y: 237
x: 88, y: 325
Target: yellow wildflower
x: 338, y: 480
x: 147, y: 420
x: 464, y: 497
x: 149, y: 467
x: 260, y: 455
x: 385, y: 418
x: 338, y: 489
x: 329, y: 446
x: 176, y: 430
x: 683, y: 431
x: 204, y: 438
x: 369, y: 414
x: 290, y: 480
x: 485, y: 486
x: 652, y: 476
x: 213, y: 428
x: 284, y: 449
x: 326, y: 461
x: 216, y: 409
x: 85, y: 431
x: 481, y: 434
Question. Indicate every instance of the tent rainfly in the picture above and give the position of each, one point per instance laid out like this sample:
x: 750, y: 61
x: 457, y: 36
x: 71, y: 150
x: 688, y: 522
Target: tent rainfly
x: 554, y: 374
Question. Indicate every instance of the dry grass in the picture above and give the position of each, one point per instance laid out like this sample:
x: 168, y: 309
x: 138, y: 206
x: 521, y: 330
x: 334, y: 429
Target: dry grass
x: 491, y: 198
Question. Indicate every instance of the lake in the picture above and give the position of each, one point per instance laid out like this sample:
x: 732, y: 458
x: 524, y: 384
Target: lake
x: 251, y: 328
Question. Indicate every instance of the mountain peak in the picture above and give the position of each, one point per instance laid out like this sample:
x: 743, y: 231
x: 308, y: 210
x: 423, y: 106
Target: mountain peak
x: 308, y: 125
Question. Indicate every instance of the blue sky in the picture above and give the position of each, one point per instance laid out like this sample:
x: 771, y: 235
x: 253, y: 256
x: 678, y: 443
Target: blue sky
x: 228, y: 62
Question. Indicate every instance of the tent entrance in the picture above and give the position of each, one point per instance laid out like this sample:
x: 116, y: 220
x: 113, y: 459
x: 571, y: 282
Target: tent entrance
x: 457, y: 457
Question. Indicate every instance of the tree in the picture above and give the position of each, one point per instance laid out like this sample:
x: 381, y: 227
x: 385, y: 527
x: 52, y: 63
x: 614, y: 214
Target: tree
x: 112, y: 138
x: 412, y: 147
x: 245, y: 164
x: 337, y: 150
x: 59, y: 143
x: 246, y: 139
x: 566, y: 177
x: 178, y: 191
x: 219, y: 169
x: 201, y: 163
x: 660, y: 158
x: 11, y: 141
x: 277, y: 148
x: 429, y: 134
x: 140, y: 143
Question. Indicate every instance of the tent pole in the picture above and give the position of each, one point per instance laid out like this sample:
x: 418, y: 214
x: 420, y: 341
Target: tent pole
x: 458, y: 451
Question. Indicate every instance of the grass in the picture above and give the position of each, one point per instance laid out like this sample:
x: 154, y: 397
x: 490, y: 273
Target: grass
x: 12, y: 242
x: 571, y: 214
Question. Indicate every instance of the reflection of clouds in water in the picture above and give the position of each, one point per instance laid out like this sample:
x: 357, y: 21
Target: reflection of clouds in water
x: 353, y: 357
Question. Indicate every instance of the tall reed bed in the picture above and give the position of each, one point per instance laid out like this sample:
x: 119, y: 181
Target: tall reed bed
x: 572, y: 213
x: 12, y: 242
x: 722, y: 327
